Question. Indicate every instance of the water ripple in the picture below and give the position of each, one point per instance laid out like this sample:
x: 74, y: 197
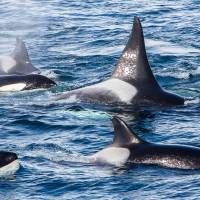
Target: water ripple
x: 77, y: 43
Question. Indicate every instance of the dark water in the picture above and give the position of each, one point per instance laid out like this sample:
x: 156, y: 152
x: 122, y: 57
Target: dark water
x: 77, y: 43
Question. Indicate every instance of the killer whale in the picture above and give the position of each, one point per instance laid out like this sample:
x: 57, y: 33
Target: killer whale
x: 132, y: 81
x: 127, y: 147
x: 8, y: 163
x: 18, y: 62
x: 12, y: 83
x: 17, y: 72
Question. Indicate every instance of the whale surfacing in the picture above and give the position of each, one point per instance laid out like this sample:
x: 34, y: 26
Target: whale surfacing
x: 16, y: 71
x: 18, y: 62
x: 12, y: 83
x: 127, y: 147
x: 132, y: 81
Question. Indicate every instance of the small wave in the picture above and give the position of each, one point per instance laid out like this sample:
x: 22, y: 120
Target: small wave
x: 85, y: 113
x: 55, y: 153
x: 49, y: 73
x: 40, y: 125
x: 196, y: 71
x: 167, y: 48
x: 92, y: 114
x: 176, y: 74
x: 179, y: 75
x: 192, y: 101
x: 92, y: 51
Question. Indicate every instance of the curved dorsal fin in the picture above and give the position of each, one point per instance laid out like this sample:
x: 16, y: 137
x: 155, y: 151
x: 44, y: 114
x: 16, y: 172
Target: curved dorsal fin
x: 20, y: 54
x: 123, y: 134
x: 133, y: 65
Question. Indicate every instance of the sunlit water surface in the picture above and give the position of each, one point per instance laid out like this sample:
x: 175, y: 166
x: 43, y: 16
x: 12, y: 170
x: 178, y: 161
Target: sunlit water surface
x: 77, y: 43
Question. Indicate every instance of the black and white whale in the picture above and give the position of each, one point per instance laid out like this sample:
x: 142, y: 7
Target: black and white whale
x: 10, y: 83
x: 127, y: 147
x: 16, y: 71
x: 9, y: 163
x: 18, y: 62
x: 132, y: 81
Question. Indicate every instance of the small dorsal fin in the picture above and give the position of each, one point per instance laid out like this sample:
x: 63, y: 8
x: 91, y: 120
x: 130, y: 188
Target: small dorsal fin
x: 123, y: 134
x: 133, y: 65
x: 20, y: 51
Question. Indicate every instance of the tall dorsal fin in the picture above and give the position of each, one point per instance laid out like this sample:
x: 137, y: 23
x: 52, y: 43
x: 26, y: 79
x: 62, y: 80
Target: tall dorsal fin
x: 20, y: 54
x: 133, y: 65
x: 123, y: 134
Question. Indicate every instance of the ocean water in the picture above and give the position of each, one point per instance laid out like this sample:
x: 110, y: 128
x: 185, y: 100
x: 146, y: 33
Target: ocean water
x: 77, y: 43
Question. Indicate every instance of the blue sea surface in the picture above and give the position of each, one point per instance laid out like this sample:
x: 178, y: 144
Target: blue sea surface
x: 77, y: 43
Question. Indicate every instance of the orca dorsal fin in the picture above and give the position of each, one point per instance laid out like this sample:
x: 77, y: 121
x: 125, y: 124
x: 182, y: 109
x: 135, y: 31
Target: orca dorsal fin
x: 133, y: 65
x: 123, y: 134
x: 20, y: 54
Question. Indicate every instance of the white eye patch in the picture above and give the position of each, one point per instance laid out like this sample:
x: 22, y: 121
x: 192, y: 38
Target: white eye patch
x: 123, y: 90
x: 12, y: 87
x: 112, y: 155
x: 10, y: 168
